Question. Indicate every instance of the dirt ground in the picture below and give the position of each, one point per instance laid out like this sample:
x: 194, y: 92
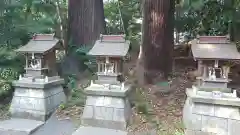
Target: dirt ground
x: 165, y: 108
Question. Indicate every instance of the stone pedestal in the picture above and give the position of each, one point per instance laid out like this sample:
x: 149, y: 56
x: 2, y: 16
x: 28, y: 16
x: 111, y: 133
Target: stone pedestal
x: 36, y: 98
x: 108, y: 78
x: 107, y: 106
x: 213, y: 83
x: 211, y: 113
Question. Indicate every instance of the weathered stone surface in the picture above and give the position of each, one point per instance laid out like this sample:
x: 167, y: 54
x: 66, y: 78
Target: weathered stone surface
x: 212, y: 118
x: 108, y: 78
x: 37, y: 85
x: 189, y: 132
x: 227, y: 112
x: 56, y: 126
x: 194, y: 122
x: 203, y: 109
x: 204, y: 133
x: 19, y: 126
x: 233, y: 127
x: 151, y: 132
x: 114, y: 91
x: 215, y: 84
x: 37, y: 104
x: 106, y: 112
x: 98, y: 131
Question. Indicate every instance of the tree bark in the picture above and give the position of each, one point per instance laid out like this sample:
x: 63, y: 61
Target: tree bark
x: 158, y: 40
x: 85, y: 24
x: 86, y: 21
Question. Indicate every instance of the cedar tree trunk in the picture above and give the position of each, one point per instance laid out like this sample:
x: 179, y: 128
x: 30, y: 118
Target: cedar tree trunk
x: 86, y: 21
x: 158, y: 39
x: 85, y: 24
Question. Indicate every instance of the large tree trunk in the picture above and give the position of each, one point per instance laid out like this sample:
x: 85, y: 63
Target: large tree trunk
x: 86, y: 23
x: 158, y: 40
x: 86, y: 19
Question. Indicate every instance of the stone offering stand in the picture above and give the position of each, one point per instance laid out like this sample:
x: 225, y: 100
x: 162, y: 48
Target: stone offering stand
x: 211, y: 108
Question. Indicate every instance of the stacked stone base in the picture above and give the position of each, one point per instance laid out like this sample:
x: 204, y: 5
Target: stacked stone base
x: 36, y: 101
x: 106, y: 112
x: 207, y: 115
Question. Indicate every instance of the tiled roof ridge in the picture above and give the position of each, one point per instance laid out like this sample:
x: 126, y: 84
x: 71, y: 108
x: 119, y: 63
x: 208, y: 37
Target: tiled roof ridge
x: 43, y: 37
x: 213, y: 39
x: 115, y: 38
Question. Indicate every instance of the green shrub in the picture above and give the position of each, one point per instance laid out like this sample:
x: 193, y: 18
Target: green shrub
x: 11, y: 66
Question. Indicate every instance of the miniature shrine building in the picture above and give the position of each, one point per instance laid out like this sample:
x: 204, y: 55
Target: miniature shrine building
x: 109, y: 51
x: 40, y: 55
x: 212, y: 53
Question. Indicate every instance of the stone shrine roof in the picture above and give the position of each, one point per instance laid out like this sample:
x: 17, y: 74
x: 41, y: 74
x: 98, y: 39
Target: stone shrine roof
x: 40, y: 43
x: 110, y: 45
x: 214, y: 47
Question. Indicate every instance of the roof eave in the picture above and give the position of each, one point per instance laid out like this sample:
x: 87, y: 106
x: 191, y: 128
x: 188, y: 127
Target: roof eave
x: 107, y: 55
x: 199, y: 58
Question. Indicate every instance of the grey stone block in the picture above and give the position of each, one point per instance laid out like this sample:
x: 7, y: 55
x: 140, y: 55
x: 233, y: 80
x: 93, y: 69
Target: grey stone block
x: 109, y: 78
x: 98, y: 131
x: 227, y: 112
x: 119, y: 115
x: 204, y: 133
x: 19, y: 126
x: 104, y: 117
x: 194, y: 122
x: 115, y: 90
x: 10, y: 132
x: 87, y: 112
x: 106, y: 112
x: 233, y: 127
x: 36, y: 104
x: 226, y: 118
x: 204, y: 109
x: 151, y: 132
x: 38, y: 85
x: 214, y: 125
x: 227, y: 102
x: 189, y: 132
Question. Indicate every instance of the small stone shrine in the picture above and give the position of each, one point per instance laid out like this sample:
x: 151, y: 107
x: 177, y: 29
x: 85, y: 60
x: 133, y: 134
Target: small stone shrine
x: 211, y: 52
x: 211, y: 108
x: 107, y: 109
x: 39, y: 92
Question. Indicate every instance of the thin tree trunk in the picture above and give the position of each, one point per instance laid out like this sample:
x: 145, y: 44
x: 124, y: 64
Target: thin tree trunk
x: 158, y: 37
x: 62, y: 30
x: 140, y: 67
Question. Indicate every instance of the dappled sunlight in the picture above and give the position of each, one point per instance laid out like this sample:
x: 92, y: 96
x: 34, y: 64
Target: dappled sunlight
x: 207, y: 46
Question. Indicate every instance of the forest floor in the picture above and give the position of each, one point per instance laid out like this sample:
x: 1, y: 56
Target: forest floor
x: 163, y: 110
